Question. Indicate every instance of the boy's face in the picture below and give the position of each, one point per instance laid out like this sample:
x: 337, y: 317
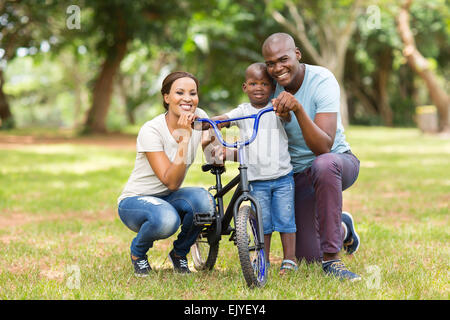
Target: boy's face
x: 258, y: 87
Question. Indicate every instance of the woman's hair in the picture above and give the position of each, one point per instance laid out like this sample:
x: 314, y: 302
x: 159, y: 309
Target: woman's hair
x: 170, y: 79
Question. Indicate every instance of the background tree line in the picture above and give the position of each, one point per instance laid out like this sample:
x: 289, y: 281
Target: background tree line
x: 98, y: 65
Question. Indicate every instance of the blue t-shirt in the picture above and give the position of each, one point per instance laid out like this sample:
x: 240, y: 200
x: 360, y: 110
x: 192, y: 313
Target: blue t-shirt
x: 318, y: 93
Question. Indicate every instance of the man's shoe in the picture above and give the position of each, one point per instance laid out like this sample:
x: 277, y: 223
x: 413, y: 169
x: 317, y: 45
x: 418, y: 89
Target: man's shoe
x: 180, y: 264
x: 338, y: 269
x: 351, y: 242
x: 141, y: 266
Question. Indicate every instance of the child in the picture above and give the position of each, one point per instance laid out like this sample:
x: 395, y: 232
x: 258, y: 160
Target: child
x: 269, y: 164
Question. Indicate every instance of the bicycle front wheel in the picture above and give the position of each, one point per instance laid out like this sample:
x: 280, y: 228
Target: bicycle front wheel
x: 251, y: 255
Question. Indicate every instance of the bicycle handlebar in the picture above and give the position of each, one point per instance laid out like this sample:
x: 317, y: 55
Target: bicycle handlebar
x: 206, y: 123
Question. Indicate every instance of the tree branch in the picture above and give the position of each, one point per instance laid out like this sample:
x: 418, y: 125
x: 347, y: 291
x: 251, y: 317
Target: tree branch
x: 297, y: 29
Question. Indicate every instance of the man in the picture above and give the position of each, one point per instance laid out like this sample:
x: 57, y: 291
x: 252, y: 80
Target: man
x: 323, y: 163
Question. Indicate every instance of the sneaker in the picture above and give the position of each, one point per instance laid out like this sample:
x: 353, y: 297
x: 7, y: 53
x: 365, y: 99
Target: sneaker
x: 180, y: 264
x: 351, y: 241
x: 338, y: 269
x: 141, y: 266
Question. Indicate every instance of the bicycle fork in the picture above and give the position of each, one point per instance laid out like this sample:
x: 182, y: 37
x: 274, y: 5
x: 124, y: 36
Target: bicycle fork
x: 246, y: 196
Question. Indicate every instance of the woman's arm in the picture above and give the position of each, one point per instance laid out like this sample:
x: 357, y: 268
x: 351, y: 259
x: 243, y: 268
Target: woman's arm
x: 171, y: 174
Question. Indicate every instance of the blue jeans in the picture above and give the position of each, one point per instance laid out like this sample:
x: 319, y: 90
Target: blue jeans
x: 276, y: 198
x: 155, y: 218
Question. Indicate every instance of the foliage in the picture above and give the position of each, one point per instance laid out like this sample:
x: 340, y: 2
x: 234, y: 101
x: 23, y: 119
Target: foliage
x: 379, y: 39
x: 216, y: 40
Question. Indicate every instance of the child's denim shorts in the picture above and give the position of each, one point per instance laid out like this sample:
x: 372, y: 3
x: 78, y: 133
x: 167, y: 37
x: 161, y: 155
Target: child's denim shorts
x: 276, y: 198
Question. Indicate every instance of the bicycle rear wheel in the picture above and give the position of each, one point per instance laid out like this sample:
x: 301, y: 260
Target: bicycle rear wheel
x: 251, y: 256
x: 203, y: 254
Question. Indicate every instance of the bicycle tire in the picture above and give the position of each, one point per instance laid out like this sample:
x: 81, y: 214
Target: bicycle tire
x: 252, y: 259
x: 203, y: 254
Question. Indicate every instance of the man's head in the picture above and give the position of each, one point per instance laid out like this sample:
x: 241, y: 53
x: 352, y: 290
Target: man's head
x: 258, y: 85
x: 282, y: 60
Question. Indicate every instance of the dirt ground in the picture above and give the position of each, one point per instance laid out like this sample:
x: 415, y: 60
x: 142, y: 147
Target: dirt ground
x: 113, y: 141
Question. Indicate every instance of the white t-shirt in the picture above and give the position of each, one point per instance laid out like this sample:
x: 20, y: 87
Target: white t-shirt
x: 267, y: 157
x: 153, y: 136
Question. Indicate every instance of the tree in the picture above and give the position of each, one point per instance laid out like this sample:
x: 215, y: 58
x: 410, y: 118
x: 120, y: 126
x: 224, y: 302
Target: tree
x: 120, y: 22
x: 369, y: 65
x: 222, y: 40
x: 19, y: 27
x: 422, y: 67
x: 324, y: 29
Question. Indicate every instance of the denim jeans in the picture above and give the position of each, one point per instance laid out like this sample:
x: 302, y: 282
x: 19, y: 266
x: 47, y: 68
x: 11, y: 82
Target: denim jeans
x: 155, y: 218
x: 276, y: 198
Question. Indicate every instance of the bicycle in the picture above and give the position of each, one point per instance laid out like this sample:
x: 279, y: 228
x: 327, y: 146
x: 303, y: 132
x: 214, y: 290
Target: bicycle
x: 248, y: 233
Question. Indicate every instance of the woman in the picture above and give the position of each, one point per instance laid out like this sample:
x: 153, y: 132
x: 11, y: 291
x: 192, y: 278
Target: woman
x: 152, y: 202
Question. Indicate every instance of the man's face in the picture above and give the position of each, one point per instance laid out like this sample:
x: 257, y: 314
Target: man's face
x: 282, y: 62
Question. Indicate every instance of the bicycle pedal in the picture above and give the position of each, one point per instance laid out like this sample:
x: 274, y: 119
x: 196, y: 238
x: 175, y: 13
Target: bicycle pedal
x: 203, y: 219
x: 233, y: 236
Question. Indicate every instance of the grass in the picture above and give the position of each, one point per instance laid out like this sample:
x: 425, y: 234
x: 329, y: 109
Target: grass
x: 61, y: 238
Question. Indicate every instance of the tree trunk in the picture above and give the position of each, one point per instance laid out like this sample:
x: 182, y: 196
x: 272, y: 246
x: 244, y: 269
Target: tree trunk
x: 421, y: 66
x: 381, y: 81
x: 333, y: 43
x: 103, y: 89
x: 337, y: 69
x: 104, y: 85
x: 6, y: 117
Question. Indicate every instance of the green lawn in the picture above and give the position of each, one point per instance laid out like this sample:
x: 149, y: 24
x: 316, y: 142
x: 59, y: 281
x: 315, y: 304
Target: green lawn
x: 61, y: 238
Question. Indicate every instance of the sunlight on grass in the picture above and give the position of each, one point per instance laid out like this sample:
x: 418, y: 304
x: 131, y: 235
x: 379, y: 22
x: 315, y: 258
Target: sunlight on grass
x: 58, y: 212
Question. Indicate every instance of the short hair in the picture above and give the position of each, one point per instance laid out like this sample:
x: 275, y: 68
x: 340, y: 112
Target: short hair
x: 260, y: 66
x: 278, y: 37
x: 170, y: 79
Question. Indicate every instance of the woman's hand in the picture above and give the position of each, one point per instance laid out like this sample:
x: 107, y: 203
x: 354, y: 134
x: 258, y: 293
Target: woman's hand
x: 184, y: 131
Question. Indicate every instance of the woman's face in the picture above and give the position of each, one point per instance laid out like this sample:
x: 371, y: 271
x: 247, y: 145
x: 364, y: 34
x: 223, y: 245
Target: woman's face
x: 183, y: 96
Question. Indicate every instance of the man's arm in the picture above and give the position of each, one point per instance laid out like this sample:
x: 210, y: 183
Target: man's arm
x: 318, y: 133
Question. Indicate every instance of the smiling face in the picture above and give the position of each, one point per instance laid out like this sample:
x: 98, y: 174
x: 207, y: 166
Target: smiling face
x: 282, y: 61
x: 258, y: 85
x: 182, y: 97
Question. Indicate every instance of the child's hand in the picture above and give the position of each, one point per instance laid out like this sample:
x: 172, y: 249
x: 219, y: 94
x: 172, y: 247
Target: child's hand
x: 218, y: 154
x: 223, y: 124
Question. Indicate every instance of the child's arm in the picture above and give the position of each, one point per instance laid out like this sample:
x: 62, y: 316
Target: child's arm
x: 214, y: 151
x: 222, y: 125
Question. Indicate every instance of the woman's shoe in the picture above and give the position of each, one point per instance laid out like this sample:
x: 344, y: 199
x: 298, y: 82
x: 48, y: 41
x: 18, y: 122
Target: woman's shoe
x: 141, y: 266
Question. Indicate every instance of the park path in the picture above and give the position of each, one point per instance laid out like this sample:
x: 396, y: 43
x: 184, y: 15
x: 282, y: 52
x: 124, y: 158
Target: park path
x: 113, y: 141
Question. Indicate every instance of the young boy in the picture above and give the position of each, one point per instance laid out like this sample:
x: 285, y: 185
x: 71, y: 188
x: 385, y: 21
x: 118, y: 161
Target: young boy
x: 269, y: 164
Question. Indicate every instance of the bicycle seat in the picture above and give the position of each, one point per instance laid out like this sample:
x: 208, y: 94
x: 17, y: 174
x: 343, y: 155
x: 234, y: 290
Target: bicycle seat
x: 213, y: 168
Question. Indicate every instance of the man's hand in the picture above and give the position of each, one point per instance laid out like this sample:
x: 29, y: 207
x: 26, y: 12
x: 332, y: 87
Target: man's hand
x: 284, y: 103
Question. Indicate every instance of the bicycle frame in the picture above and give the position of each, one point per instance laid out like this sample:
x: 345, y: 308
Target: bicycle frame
x: 242, y: 192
